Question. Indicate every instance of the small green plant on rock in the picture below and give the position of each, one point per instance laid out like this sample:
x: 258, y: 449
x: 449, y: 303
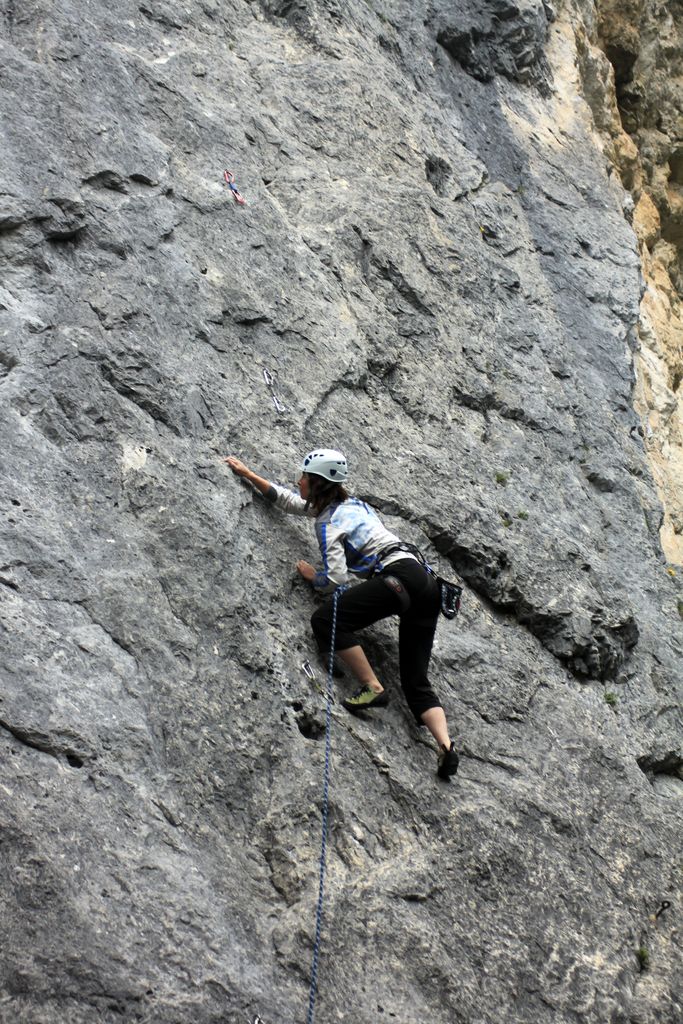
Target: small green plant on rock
x: 611, y: 699
x: 643, y: 958
x: 502, y: 478
x: 523, y: 514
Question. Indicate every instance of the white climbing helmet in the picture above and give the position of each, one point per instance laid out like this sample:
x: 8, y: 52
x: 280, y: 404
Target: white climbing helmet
x: 326, y: 462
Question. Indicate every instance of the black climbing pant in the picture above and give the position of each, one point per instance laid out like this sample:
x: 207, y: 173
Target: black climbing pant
x: 373, y: 600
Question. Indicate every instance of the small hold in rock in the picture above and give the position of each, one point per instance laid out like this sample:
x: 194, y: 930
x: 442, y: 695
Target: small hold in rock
x: 74, y: 760
x: 309, y: 728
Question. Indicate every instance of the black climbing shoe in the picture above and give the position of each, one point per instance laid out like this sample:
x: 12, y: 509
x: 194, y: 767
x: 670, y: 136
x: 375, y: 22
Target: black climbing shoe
x: 365, y: 698
x: 448, y: 762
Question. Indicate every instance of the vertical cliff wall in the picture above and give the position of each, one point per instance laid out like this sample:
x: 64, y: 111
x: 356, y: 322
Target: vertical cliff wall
x: 436, y: 266
x: 631, y: 57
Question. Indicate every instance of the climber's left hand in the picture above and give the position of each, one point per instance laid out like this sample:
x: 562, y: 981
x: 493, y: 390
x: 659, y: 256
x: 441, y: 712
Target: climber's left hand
x: 306, y: 570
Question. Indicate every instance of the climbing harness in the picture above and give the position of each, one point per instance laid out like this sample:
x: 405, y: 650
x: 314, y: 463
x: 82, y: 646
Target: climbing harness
x: 268, y: 378
x: 451, y: 593
x: 326, y: 791
x: 230, y: 182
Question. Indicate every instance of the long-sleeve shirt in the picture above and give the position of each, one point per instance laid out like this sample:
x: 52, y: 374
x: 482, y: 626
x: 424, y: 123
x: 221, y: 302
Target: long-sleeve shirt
x: 350, y: 534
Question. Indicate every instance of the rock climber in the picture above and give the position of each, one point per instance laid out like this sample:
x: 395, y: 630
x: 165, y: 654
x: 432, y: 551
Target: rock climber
x: 353, y: 539
x: 229, y: 179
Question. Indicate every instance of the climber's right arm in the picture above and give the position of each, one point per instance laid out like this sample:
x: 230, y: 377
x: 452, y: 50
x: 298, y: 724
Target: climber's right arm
x: 286, y: 500
x: 239, y: 469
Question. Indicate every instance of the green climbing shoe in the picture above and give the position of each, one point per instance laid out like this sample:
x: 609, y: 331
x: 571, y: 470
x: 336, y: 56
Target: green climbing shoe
x: 448, y: 762
x: 365, y: 698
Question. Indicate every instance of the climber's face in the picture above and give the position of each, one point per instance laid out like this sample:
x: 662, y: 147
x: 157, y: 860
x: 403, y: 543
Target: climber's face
x: 305, y: 486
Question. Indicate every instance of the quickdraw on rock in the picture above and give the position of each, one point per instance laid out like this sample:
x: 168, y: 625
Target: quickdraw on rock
x: 306, y: 666
x: 268, y: 378
x: 665, y: 905
x: 230, y: 182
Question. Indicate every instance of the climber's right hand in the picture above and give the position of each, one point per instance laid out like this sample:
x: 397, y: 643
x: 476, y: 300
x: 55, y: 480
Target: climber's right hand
x: 237, y: 466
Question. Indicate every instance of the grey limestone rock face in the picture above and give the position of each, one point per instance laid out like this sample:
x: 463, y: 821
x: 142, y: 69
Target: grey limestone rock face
x: 433, y: 272
x: 502, y: 37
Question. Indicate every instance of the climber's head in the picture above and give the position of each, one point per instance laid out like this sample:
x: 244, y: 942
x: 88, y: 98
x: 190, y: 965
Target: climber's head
x: 323, y: 472
x: 326, y: 462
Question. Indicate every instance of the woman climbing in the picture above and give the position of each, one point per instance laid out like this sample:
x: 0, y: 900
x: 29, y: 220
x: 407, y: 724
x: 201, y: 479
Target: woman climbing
x: 353, y: 539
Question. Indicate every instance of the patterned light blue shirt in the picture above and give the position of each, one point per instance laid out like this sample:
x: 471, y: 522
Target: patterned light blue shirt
x: 350, y: 535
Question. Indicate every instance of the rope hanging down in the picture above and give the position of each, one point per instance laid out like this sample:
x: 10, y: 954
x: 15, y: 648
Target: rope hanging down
x: 326, y: 790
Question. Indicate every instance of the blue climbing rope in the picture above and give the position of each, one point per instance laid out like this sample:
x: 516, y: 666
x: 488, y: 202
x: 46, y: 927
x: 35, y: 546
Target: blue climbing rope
x: 326, y: 791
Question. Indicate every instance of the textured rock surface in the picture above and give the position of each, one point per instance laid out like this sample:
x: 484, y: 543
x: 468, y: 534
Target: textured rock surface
x: 437, y: 270
x: 631, y: 57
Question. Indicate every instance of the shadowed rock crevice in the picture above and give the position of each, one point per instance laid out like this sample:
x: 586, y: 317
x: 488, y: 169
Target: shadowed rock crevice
x: 34, y: 739
x: 656, y: 764
x: 591, y: 640
x: 501, y: 37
